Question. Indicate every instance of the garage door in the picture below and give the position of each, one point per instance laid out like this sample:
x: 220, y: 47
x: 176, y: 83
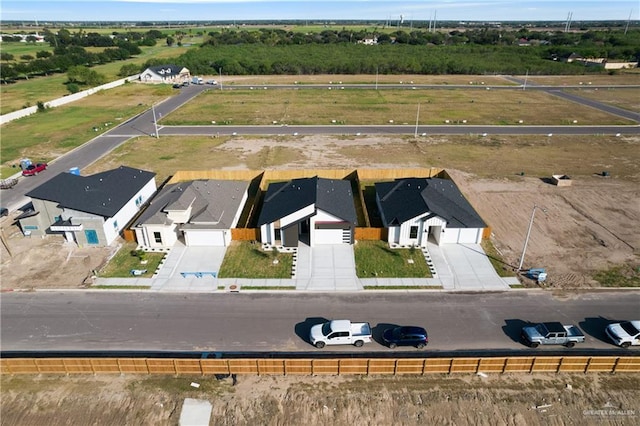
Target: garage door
x: 204, y: 238
x: 468, y: 236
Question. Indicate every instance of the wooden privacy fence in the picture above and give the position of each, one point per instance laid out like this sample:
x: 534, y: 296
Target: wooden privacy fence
x: 350, y: 366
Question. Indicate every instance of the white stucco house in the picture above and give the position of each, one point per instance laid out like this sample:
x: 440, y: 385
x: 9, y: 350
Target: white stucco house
x: 197, y: 212
x: 310, y: 210
x: 417, y: 209
x: 165, y: 74
x: 89, y: 210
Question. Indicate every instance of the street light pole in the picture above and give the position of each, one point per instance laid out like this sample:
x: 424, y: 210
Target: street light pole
x: 155, y: 121
x: 526, y: 240
x: 415, y: 135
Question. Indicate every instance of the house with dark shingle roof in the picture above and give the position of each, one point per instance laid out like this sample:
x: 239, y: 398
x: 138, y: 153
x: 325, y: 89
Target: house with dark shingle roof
x: 165, y: 74
x: 309, y: 210
x: 416, y: 209
x: 198, y: 212
x: 90, y: 210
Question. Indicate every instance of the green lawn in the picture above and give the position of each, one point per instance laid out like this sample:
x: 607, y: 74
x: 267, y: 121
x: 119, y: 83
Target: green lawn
x: 123, y: 262
x: 245, y: 259
x: 619, y: 276
x: 374, y: 259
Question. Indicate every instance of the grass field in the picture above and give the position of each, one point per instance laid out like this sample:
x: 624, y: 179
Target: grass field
x: 622, y: 98
x: 123, y: 262
x: 45, y: 136
x: 372, y: 107
x: 25, y: 93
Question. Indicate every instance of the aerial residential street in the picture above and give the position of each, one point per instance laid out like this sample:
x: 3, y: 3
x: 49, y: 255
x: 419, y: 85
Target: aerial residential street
x: 281, y: 321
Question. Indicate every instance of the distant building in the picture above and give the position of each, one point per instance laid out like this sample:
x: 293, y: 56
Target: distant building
x: 165, y: 74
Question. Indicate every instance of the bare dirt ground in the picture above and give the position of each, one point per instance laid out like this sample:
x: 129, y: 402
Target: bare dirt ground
x: 584, y: 228
x: 537, y: 399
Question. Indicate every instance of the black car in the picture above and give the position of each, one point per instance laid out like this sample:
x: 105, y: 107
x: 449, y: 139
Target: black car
x: 4, y: 212
x: 177, y: 86
x: 406, y: 336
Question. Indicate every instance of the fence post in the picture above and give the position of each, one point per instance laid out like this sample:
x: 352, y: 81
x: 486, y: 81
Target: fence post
x: 615, y: 365
x: 586, y: 367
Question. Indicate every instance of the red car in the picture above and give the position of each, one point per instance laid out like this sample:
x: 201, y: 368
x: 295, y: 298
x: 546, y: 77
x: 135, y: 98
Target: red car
x: 34, y: 169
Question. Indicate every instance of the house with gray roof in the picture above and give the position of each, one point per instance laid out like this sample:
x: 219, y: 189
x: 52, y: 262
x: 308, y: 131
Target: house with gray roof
x: 165, y: 74
x: 196, y: 212
x: 89, y: 210
x: 309, y: 210
x: 416, y: 209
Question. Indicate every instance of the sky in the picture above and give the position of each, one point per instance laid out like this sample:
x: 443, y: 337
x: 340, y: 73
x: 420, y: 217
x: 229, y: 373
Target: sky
x: 392, y: 10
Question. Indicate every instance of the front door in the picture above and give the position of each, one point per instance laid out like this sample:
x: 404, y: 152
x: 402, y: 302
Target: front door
x: 91, y: 236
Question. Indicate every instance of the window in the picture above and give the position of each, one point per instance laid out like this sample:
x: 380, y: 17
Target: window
x: 115, y: 225
x: 157, y: 236
x: 278, y: 235
x: 413, y: 232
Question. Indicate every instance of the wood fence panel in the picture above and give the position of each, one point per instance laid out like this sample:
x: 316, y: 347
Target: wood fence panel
x: 573, y: 364
x: 370, y: 234
x: 326, y: 366
x: 390, y: 174
x: 604, y: 364
x: 298, y: 366
x: 243, y: 366
x: 437, y: 365
x: 271, y: 366
x: 492, y: 365
x: 184, y: 175
x: 105, y: 365
x: 78, y: 365
x: 353, y: 366
x: 187, y: 366
x: 410, y: 366
x: 546, y: 364
x: 628, y: 364
x: 161, y: 366
x: 245, y: 234
x: 382, y: 366
x: 133, y: 365
x: 214, y: 366
x: 464, y: 365
x: 19, y: 366
x: 51, y: 365
x: 519, y: 365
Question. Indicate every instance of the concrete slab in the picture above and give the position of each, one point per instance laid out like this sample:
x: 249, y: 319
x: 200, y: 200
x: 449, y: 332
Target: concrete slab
x: 195, y: 412
x: 177, y: 272
x: 468, y: 266
x: 332, y: 268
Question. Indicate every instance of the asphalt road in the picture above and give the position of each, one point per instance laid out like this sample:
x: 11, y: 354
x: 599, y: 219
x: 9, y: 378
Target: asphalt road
x: 280, y: 321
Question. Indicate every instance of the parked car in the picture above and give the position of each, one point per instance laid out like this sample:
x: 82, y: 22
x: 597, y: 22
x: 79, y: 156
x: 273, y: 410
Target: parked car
x: 34, y: 169
x: 552, y: 333
x: 340, y: 332
x: 406, y: 336
x: 4, y: 212
x: 624, y: 334
x: 176, y: 86
x: 212, y: 82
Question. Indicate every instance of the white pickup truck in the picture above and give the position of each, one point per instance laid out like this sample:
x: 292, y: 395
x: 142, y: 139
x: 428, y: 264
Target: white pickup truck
x: 340, y: 332
x: 624, y: 334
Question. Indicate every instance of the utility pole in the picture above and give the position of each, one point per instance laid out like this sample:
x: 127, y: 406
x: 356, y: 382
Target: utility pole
x: 155, y: 121
x: 415, y: 134
x: 526, y: 240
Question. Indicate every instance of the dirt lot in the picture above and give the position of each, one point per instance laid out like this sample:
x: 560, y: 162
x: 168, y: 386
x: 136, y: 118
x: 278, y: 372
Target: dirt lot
x: 344, y: 400
x: 587, y: 226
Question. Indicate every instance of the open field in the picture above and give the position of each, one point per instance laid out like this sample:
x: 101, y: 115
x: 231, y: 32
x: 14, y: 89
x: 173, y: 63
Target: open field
x: 538, y: 399
x: 45, y: 136
x: 24, y: 93
x: 626, y: 77
x: 622, y: 98
x: 367, y: 107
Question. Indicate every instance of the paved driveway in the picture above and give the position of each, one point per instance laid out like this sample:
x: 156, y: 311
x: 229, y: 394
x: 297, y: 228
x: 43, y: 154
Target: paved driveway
x: 190, y: 269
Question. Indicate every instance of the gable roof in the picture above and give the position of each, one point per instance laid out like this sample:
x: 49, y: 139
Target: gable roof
x: 214, y: 203
x: 168, y: 70
x: 103, y: 194
x: 331, y: 195
x: 404, y: 199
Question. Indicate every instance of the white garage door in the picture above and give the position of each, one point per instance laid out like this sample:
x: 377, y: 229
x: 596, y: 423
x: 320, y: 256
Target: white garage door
x: 450, y: 235
x: 468, y: 236
x: 204, y: 238
x: 328, y: 236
